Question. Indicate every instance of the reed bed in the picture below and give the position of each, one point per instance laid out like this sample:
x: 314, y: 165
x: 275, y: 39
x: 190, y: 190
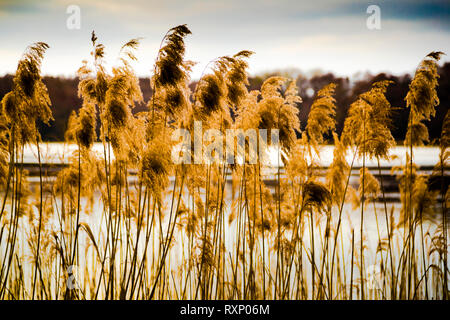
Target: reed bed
x: 129, y: 223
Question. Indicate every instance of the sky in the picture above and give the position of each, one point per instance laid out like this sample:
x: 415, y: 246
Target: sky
x: 327, y: 35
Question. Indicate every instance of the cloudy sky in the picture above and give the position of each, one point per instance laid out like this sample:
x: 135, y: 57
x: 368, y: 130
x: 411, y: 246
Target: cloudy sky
x: 329, y: 35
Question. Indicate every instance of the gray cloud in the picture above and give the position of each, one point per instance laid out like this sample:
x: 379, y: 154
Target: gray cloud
x: 324, y: 34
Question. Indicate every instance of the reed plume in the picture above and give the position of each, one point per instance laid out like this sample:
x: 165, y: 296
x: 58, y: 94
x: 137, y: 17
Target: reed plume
x: 29, y: 101
x: 422, y: 99
x: 368, y: 122
x: 81, y: 127
x: 4, y: 149
x: 236, y: 78
x: 276, y: 111
x: 171, y: 73
x: 338, y: 171
x: 321, y: 117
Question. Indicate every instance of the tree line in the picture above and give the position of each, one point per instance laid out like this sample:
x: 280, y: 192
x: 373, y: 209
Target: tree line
x: 63, y: 93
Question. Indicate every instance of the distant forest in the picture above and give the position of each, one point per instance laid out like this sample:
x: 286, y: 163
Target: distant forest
x: 64, y: 96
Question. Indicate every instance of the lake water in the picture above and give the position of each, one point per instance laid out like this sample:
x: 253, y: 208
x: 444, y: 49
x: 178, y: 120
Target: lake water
x: 56, y: 155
